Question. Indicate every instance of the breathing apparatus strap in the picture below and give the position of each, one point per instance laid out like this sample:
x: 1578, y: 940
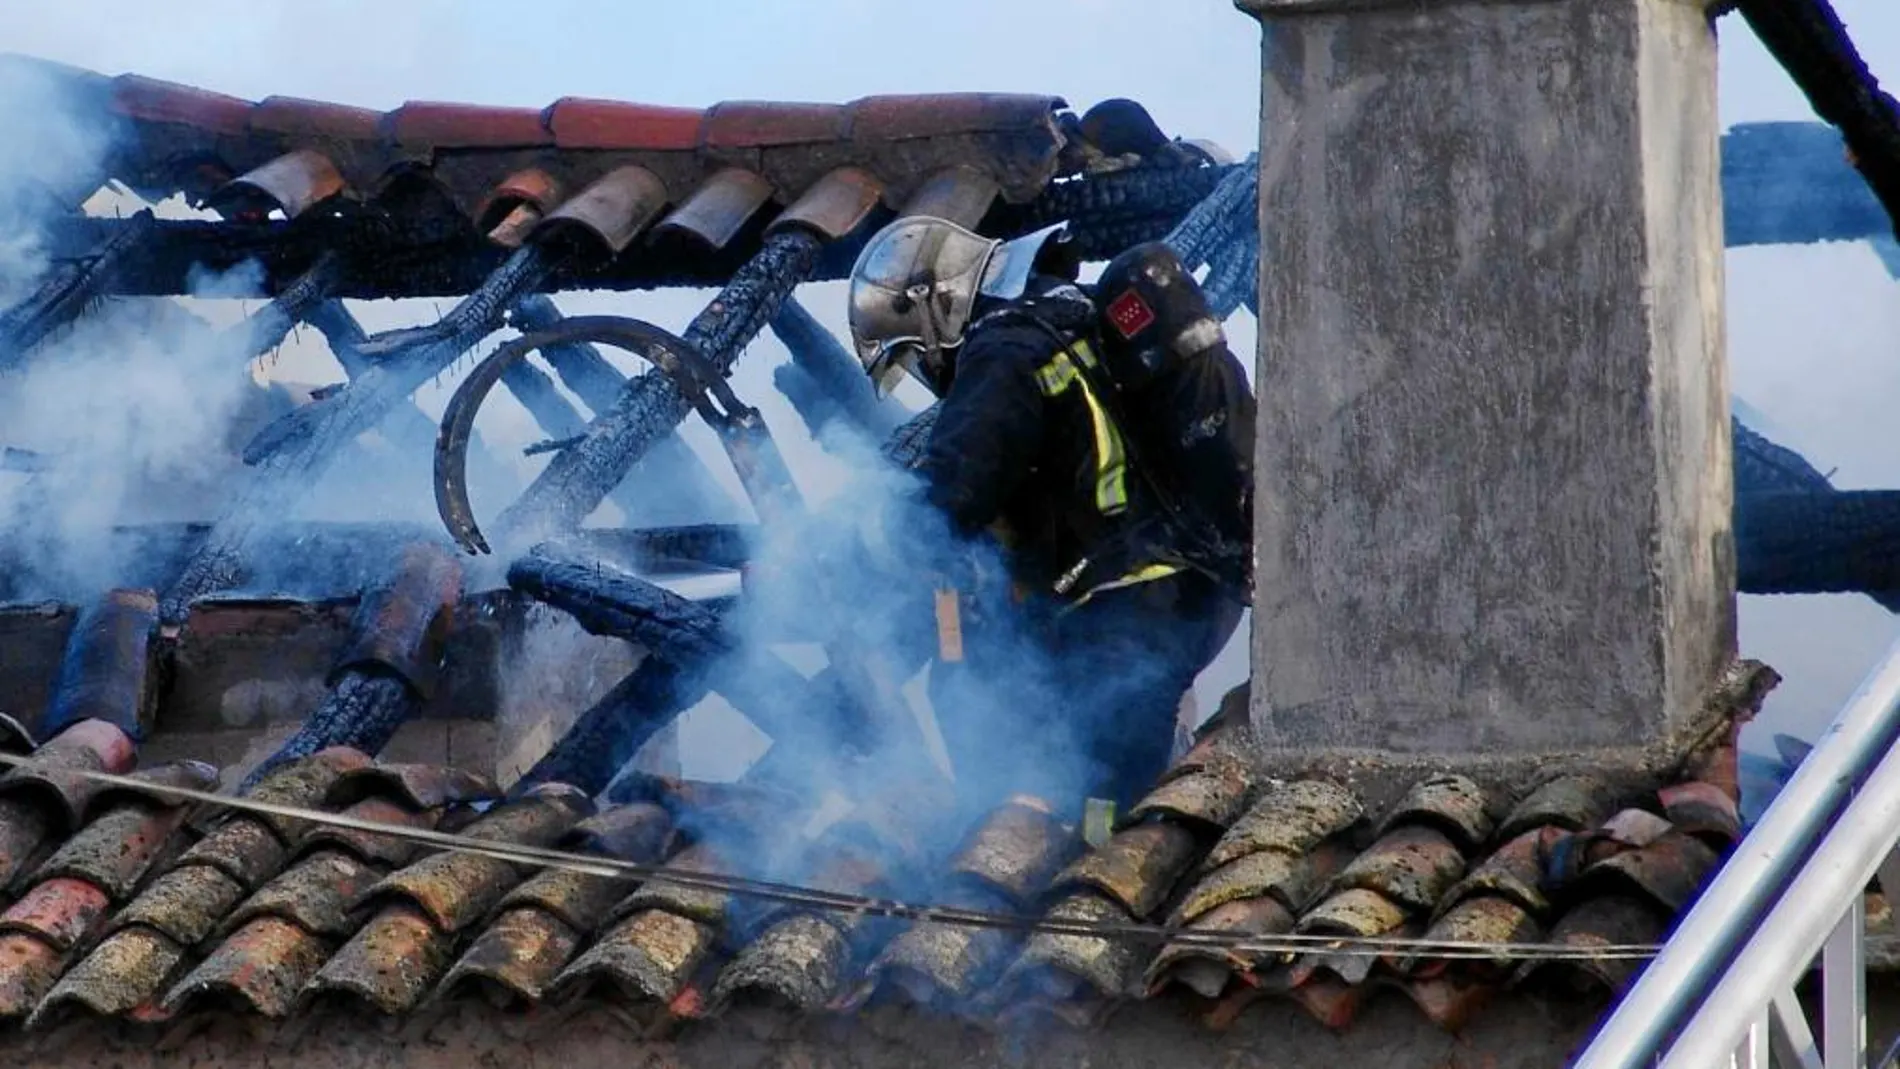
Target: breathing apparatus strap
x: 1189, y: 528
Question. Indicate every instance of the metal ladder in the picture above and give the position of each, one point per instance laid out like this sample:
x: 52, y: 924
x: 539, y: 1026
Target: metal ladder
x: 1721, y: 992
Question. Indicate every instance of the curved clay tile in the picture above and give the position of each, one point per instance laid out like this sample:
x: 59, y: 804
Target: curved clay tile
x: 938, y: 964
x: 456, y: 889
x: 416, y: 786
x: 428, y: 124
x: 382, y: 849
x: 29, y: 966
x: 24, y: 825
x: 532, y: 188
x: 719, y: 208
x: 1060, y: 966
x: 61, y: 912
x: 799, y: 962
x: 1450, y: 1000
x: 1705, y: 811
x: 301, y: 784
x: 1413, y: 866
x: 1481, y: 919
x: 1137, y: 867
x: 316, y: 894
x: 1207, y: 970
x: 115, y: 851
x: 151, y: 100
x: 521, y: 953
x: 50, y: 779
x: 648, y: 956
x: 1572, y: 802
x: 1453, y: 804
x: 1214, y: 794
x: 834, y: 205
x: 264, y: 965
x: 299, y: 118
x: 452, y: 889
x: 580, y: 122
x: 1291, y: 818
x: 614, y: 208
x: 1609, y: 920
x: 243, y: 848
x: 1292, y: 879
x: 391, y: 963
x: 120, y: 977
x: 1329, y: 1000
x: 1670, y: 870
x: 1514, y: 872
x: 1015, y: 850
x: 1354, y: 912
x: 186, y: 904
x: 741, y: 124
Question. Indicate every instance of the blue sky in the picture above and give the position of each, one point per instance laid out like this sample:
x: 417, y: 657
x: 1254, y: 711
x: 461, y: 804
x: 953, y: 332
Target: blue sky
x: 1814, y: 333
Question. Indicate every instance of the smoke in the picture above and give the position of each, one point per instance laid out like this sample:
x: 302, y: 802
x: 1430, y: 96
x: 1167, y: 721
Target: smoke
x: 859, y: 573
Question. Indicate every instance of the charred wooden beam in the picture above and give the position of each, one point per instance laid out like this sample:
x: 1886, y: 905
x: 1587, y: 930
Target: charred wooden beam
x: 77, y: 279
x: 1819, y: 542
x: 824, y: 381
x: 305, y: 444
x: 692, y: 493
x: 1807, y: 37
x: 694, y: 547
x: 267, y: 328
x: 652, y: 406
x: 608, y: 734
x: 388, y: 670
x: 671, y: 628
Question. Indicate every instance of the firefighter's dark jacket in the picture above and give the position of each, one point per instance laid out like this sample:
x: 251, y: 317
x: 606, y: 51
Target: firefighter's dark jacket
x: 1022, y: 438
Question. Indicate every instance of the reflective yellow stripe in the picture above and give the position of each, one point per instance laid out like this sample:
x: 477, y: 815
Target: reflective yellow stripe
x: 1111, y: 467
x: 1145, y: 574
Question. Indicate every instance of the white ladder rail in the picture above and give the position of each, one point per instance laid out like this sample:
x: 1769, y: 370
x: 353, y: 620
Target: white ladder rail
x: 1721, y: 991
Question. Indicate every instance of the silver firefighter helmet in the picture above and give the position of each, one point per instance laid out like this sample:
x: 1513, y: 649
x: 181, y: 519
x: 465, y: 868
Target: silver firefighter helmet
x: 915, y: 286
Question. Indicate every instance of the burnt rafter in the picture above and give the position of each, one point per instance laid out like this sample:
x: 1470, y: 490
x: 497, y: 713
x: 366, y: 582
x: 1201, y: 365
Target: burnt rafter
x: 1809, y: 41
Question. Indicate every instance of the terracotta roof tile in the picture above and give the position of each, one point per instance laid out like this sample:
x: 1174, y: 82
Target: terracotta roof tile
x: 151, y: 100
x: 252, y: 917
x: 757, y: 124
x: 582, y: 123
x: 296, y: 117
x: 429, y: 124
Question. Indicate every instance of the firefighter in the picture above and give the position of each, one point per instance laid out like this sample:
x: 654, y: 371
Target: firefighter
x: 1029, y: 442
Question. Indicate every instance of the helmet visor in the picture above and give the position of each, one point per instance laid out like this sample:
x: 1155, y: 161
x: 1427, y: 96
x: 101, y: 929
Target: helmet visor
x: 891, y: 361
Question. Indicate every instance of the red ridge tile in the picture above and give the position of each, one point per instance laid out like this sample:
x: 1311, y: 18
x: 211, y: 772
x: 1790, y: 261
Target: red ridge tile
x: 297, y: 117
x: 761, y: 124
x: 579, y: 122
x: 432, y: 124
x: 894, y: 118
x: 150, y: 100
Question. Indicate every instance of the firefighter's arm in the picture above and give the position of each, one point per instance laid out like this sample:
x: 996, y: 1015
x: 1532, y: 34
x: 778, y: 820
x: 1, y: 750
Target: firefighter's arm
x: 987, y: 433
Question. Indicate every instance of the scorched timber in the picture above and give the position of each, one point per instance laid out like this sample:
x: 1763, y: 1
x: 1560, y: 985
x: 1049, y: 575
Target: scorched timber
x: 674, y: 629
x: 652, y: 406
x: 691, y: 489
x: 1807, y: 38
x: 79, y: 277
x: 301, y: 449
